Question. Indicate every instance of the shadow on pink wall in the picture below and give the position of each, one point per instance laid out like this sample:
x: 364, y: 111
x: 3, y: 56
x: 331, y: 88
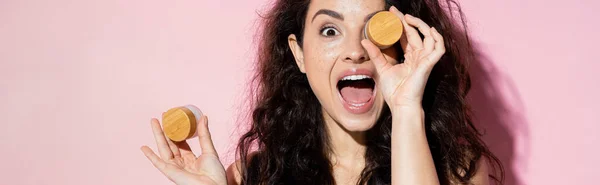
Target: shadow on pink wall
x: 499, y: 114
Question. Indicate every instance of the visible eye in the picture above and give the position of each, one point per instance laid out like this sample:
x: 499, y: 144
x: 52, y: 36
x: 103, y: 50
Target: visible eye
x: 329, y: 32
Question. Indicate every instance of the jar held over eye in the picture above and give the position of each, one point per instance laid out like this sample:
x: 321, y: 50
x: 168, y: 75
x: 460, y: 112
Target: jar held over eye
x: 180, y: 123
x: 383, y: 29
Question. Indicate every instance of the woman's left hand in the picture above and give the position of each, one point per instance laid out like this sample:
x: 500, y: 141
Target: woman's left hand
x: 402, y: 85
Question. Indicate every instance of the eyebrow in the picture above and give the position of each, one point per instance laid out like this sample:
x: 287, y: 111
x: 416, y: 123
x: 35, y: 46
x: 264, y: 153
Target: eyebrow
x: 337, y: 15
x: 371, y: 15
x: 331, y: 13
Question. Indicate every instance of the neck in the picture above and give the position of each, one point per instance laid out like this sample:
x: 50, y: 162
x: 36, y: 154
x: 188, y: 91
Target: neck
x: 346, y: 146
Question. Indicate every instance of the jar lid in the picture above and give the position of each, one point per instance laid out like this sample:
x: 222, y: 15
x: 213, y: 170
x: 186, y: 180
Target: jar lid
x: 384, y: 29
x: 180, y: 123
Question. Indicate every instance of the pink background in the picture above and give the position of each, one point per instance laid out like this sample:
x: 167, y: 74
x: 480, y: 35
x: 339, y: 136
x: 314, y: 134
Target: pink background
x: 80, y: 80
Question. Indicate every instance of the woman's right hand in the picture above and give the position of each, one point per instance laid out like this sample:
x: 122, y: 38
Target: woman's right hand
x: 180, y: 164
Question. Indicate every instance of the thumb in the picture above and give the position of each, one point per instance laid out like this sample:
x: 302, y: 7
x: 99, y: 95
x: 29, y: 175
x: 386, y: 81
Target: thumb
x: 381, y: 64
x: 204, y: 137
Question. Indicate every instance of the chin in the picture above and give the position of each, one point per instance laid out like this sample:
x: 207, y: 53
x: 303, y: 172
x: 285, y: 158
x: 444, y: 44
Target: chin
x: 356, y: 125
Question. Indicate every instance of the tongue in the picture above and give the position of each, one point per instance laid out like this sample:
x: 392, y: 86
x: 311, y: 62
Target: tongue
x: 357, y: 92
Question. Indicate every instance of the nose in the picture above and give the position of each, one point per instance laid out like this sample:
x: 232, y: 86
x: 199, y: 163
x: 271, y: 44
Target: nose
x: 354, y: 51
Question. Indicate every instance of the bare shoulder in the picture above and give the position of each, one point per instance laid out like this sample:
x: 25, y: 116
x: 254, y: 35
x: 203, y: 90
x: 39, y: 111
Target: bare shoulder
x: 233, y: 173
x: 481, y: 176
x: 234, y: 176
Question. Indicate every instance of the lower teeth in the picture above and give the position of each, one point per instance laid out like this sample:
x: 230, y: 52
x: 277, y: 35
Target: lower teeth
x: 357, y: 105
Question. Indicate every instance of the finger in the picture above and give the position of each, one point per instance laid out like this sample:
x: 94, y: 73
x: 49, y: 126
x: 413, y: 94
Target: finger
x: 154, y: 159
x: 419, y: 24
x: 428, y: 44
x: 378, y: 59
x: 395, y: 10
x: 160, y: 164
x: 173, y: 147
x: 161, y: 142
x: 204, y: 137
x: 439, y: 49
x: 185, y: 150
x: 412, y: 35
x: 428, y: 41
x: 403, y: 41
x: 404, y: 44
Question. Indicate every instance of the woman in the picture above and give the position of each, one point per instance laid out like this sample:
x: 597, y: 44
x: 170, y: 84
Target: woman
x: 332, y: 108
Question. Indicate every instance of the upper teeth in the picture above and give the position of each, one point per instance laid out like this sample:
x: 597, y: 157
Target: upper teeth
x: 356, y: 77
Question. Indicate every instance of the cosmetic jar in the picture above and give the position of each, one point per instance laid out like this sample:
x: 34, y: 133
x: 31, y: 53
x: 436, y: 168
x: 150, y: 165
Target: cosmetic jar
x: 383, y: 29
x: 180, y: 123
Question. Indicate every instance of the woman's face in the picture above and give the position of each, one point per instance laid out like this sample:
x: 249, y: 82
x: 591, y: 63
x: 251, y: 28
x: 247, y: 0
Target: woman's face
x: 337, y: 66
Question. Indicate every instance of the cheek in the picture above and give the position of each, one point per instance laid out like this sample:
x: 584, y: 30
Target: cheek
x: 318, y: 67
x: 319, y: 59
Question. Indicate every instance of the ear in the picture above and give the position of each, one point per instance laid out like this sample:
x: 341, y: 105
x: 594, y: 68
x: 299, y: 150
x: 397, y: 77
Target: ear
x: 297, y: 51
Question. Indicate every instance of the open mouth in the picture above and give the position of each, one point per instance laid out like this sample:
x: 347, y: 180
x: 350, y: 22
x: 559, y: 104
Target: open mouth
x: 357, y: 92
